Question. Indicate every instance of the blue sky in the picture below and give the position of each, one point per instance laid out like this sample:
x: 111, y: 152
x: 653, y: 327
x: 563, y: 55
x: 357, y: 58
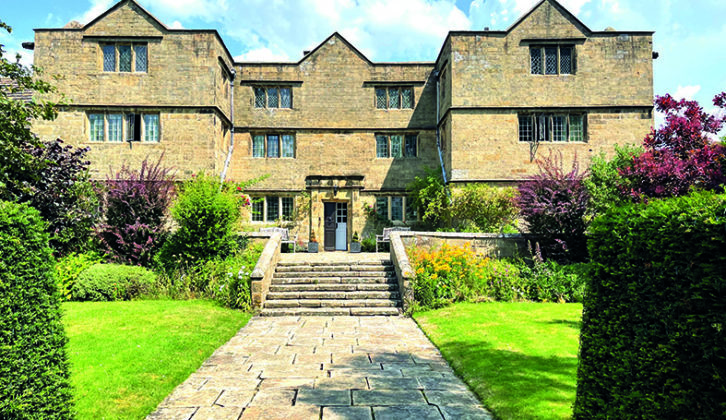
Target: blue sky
x: 689, y: 35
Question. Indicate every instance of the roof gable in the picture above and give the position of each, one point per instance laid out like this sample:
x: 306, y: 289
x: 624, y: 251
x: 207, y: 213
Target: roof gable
x: 549, y: 15
x: 125, y: 18
x: 335, y: 39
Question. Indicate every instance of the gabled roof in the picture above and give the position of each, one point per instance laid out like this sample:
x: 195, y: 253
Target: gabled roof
x: 581, y: 26
x: 117, y: 6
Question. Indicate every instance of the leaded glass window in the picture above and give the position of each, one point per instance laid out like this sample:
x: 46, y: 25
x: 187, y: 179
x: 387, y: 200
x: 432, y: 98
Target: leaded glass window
x: 406, y: 98
x: 124, y: 58
x: 258, y: 146
x: 96, y: 125
x: 259, y: 97
x: 393, y: 99
x: 526, y: 128
x: 258, y: 210
x: 272, y: 99
x: 288, y: 146
x: 536, y: 60
x: 396, y: 146
x: 577, y: 131
x: 551, y: 60
x: 285, y: 98
x: 566, y: 60
x: 115, y: 127
x: 543, y: 131
x: 381, y: 102
x: 142, y: 62
x: 273, y: 208
x: 382, y: 206
x: 382, y: 146
x: 273, y: 146
x: 559, y: 128
x: 151, y: 128
x: 287, y: 207
x: 397, y: 208
x: 109, y: 58
x: 411, y: 213
x: 411, y: 145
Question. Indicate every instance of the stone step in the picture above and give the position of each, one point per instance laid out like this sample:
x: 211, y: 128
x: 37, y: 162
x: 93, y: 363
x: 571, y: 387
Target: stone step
x: 334, y: 280
x: 322, y: 268
x: 331, y: 295
x: 293, y: 274
x: 318, y: 264
x: 331, y: 303
x: 330, y: 311
x: 334, y: 287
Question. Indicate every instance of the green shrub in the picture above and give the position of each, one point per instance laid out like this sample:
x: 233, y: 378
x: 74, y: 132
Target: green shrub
x: 652, y: 340
x: 207, y: 214
x: 549, y: 281
x: 109, y: 282
x: 502, y: 280
x: 605, y: 184
x: 368, y: 244
x: 33, y: 365
x: 483, y: 208
x: 68, y: 268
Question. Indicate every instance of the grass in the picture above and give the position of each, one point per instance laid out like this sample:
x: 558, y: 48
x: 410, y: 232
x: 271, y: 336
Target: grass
x: 519, y: 358
x: 126, y: 357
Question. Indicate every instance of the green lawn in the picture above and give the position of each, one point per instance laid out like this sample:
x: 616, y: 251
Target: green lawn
x: 127, y: 356
x: 520, y: 358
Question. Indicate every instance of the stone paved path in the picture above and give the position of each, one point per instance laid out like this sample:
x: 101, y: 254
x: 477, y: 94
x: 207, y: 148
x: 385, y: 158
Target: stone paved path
x: 324, y: 368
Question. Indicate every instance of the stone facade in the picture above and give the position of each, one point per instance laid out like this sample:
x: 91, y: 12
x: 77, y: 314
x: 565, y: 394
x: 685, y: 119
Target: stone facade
x: 323, y: 114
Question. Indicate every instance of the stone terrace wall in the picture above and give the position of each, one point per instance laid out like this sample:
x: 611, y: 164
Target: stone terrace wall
x: 486, y: 244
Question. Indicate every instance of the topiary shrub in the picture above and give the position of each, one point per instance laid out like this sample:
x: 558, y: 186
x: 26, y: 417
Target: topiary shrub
x: 108, y: 282
x: 33, y: 365
x: 653, y: 342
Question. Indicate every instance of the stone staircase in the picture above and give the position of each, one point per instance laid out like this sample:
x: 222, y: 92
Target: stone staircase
x: 333, y: 288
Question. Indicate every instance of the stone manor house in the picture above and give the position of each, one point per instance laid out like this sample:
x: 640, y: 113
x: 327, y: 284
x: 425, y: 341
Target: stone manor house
x: 334, y: 131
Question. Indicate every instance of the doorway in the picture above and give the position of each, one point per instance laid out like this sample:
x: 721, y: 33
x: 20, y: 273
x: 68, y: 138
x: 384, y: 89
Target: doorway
x: 336, y: 226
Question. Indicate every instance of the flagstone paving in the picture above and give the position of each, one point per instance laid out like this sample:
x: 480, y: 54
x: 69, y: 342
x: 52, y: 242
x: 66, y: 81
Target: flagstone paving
x: 329, y: 368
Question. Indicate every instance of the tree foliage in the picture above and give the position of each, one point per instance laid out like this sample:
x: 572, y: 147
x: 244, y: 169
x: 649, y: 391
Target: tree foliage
x: 605, y: 184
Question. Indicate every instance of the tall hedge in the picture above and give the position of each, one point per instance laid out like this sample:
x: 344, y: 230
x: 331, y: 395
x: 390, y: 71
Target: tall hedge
x: 33, y: 365
x: 653, y: 340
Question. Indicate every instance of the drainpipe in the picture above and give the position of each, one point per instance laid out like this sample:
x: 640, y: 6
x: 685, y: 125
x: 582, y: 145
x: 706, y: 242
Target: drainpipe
x: 231, y: 130
x: 438, y: 131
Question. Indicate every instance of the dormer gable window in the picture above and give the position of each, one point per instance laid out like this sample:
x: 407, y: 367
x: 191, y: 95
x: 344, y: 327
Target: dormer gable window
x: 125, y: 57
x: 552, y: 59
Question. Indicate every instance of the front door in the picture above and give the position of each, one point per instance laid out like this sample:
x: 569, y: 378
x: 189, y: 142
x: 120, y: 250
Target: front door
x: 331, y: 224
x: 341, y: 232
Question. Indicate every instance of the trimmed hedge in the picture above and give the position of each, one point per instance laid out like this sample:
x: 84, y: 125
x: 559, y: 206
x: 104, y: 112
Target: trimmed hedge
x: 33, y: 366
x: 653, y: 340
x: 108, y: 282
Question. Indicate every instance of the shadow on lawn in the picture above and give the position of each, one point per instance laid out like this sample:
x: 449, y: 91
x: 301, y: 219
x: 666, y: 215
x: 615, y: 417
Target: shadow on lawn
x: 572, y: 324
x: 513, y: 384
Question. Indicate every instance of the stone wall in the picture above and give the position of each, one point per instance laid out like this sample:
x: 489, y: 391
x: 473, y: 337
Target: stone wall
x: 485, y: 244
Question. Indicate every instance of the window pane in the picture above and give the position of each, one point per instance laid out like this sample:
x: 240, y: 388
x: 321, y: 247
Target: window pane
x: 130, y: 127
x: 287, y: 206
x: 393, y: 101
x: 577, y: 132
x: 559, y: 130
x: 124, y: 58
x: 397, y: 208
x: 151, y: 128
x: 258, y: 208
x: 273, y: 208
x: 526, y: 128
x: 115, y: 127
x: 382, y: 206
x: 396, y: 146
x: 535, y: 55
x: 109, y: 58
x: 272, y: 98
x: 381, y: 98
x: 566, y: 60
x: 551, y: 60
x: 406, y: 98
x: 543, y: 129
x: 96, y: 127
x: 411, y: 145
x: 258, y: 146
x: 410, y: 210
x: 141, y: 58
x: 288, y: 146
x: 273, y: 146
x: 382, y: 146
x: 285, y: 98
x: 259, y: 97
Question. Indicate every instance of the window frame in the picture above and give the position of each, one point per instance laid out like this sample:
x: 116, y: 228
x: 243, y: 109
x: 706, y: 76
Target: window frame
x: 403, y: 145
x: 263, y: 153
x: 542, y: 48
x: 387, y: 202
x: 124, y: 132
x: 266, y: 90
x: 538, y: 133
x: 387, y: 90
x: 283, y: 203
x: 134, y: 53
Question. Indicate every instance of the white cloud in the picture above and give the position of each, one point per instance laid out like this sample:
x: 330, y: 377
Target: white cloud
x: 484, y: 13
x: 687, y: 92
x: 97, y: 7
x: 183, y: 9
x: 176, y: 25
x: 262, y: 54
x: 12, y: 48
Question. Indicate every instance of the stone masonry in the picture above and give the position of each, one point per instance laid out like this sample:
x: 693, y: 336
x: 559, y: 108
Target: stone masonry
x: 300, y: 368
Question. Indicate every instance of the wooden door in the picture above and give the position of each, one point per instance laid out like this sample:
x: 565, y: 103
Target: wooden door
x: 330, y: 226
